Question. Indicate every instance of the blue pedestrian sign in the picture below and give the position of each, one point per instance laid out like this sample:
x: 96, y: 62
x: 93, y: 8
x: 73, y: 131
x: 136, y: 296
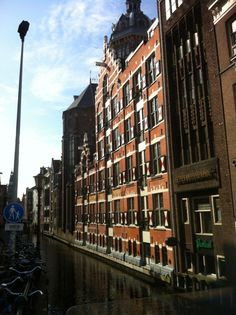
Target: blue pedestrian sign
x: 13, y: 213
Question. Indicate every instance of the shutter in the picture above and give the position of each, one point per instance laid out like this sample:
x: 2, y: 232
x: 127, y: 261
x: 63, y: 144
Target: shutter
x: 166, y: 218
x: 162, y: 163
x: 148, y: 168
x: 133, y: 173
x: 144, y: 81
x: 160, y: 113
x: 122, y: 139
x: 120, y: 178
x: 150, y: 221
x: 131, y: 132
x: 125, y: 218
x: 158, y: 70
x: 145, y: 123
x: 121, y: 104
x: 130, y: 94
x: 124, y: 178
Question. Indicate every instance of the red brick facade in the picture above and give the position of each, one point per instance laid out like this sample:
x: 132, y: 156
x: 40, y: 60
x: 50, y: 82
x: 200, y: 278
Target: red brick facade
x: 124, y: 209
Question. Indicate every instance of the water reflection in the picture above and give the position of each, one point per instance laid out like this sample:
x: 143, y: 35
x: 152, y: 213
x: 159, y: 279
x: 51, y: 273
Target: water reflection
x: 97, y: 288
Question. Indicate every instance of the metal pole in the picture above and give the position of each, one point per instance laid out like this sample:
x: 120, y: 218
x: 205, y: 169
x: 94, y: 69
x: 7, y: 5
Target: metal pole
x: 38, y: 220
x: 17, y: 139
x: 22, y: 30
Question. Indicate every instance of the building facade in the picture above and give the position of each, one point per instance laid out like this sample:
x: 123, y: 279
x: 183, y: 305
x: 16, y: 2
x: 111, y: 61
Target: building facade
x: 202, y: 200
x: 77, y: 119
x: 122, y: 194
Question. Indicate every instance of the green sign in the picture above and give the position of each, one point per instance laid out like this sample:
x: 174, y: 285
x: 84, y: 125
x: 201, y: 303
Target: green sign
x: 207, y: 244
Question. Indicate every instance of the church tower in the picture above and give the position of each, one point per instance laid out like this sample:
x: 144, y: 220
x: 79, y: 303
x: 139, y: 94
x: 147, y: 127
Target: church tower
x: 129, y: 31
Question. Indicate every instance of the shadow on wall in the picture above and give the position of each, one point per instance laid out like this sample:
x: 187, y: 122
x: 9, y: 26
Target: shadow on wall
x: 230, y: 262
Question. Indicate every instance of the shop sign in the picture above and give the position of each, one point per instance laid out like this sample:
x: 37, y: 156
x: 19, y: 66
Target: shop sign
x: 206, y: 244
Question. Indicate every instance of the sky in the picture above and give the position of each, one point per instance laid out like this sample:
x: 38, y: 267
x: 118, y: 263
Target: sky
x: 64, y: 40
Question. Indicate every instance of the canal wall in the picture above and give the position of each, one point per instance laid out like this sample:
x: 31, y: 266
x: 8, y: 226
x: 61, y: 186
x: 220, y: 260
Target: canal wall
x: 142, y: 272
x: 151, y: 273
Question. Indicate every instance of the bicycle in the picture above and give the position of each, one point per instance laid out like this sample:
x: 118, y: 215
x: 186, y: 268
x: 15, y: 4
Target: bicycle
x: 20, y: 302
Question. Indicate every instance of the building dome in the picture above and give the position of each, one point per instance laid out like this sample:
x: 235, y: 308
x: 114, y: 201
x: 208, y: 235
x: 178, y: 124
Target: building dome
x: 130, y: 30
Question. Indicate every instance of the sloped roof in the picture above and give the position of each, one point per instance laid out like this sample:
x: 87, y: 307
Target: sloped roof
x: 86, y: 98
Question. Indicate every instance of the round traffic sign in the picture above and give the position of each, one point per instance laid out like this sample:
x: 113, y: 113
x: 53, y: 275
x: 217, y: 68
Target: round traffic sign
x: 13, y: 212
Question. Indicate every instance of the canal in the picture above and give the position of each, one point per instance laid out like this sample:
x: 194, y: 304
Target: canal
x: 94, y: 287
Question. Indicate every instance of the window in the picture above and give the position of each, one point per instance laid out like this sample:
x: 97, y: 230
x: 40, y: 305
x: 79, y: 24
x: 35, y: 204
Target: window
x: 101, y: 214
x: 216, y: 209
x: 202, y: 212
x: 155, y: 156
x: 100, y: 122
x: 160, y: 217
x: 105, y: 87
x: 171, y: 6
x: 129, y: 169
x: 126, y: 94
x: 117, y: 211
x: 116, y: 139
x: 115, y: 106
x: 108, y: 113
x: 137, y: 85
x: 232, y: 36
x: 151, y: 73
x: 155, y: 112
x: 71, y: 151
x: 129, y: 133
x: 164, y: 256
x: 140, y: 125
x: 131, y: 213
x: 157, y: 254
x: 189, y: 260
x: 185, y: 210
x: 100, y: 149
x: 101, y: 180
x: 142, y: 168
x: 221, y: 266
x: 116, y: 173
x: 92, y: 212
x: 92, y: 184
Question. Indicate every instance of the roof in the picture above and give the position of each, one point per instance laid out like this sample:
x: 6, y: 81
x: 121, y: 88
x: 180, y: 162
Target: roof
x: 86, y: 98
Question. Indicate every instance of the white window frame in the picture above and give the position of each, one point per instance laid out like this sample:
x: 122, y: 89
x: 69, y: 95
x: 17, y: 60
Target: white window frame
x: 213, y: 197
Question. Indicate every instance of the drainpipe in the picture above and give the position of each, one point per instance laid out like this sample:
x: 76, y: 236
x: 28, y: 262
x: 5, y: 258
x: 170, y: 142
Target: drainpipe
x: 167, y: 131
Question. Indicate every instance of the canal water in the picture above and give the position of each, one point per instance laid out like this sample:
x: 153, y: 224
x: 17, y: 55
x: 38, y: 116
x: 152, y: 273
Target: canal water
x: 84, y: 285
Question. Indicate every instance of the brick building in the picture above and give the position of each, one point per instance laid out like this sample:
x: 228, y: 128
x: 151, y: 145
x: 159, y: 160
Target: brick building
x: 122, y: 194
x: 200, y: 180
x: 77, y: 119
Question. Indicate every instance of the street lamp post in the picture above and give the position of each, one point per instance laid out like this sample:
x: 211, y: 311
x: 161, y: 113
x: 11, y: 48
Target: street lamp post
x: 38, y: 184
x: 22, y: 30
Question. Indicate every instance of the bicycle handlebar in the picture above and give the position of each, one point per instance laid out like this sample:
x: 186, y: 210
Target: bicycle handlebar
x: 3, y: 285
x: 25, y: 272
x: 20, y: 294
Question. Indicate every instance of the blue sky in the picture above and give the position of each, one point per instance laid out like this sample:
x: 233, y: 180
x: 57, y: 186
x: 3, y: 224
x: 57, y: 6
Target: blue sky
x: 64, y: 40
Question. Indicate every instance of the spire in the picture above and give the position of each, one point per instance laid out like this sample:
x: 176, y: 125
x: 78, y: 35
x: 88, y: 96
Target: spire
x: 133, y: 6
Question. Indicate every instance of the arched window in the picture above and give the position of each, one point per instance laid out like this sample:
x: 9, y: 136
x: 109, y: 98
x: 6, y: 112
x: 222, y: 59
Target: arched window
x: 164, y: 256
x: 157, y: 254
x: 130, y: 247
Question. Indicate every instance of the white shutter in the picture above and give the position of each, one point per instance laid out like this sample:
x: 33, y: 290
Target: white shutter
x: 132, y: 132
x: 160, y: 113
x: 144, y: 81
x: 133, y: 173
x: 158, y: 70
